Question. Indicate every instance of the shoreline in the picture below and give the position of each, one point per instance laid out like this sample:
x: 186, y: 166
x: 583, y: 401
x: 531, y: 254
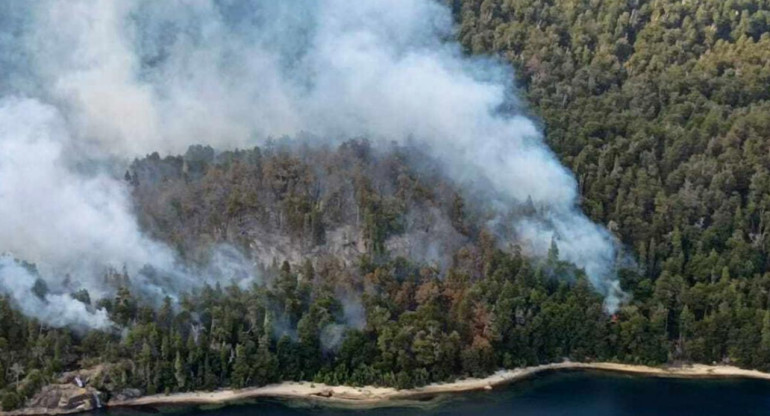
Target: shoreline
x: 370, y: 397
x: 374, y: 397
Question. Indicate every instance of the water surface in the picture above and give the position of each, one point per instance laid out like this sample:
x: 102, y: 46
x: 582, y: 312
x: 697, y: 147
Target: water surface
x: 577, y: 393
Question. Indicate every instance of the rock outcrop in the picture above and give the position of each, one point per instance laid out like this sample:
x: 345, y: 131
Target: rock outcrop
x: 126, y: 394
x: 62, y: 399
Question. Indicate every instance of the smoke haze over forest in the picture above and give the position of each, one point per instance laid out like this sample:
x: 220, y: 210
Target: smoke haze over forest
x: 90, y: 86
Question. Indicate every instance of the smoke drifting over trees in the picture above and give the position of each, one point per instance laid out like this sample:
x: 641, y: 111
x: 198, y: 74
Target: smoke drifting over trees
x: 89, y: 85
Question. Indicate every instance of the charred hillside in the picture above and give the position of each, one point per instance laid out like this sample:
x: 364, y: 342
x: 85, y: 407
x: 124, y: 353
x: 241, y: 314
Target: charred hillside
x: 297, y: 202
x: 363, y: 266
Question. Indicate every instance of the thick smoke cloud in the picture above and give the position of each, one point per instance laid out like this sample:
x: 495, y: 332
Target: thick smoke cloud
x: 53, y: 213
x: 56, y: 309
x: 73, y: 220
x: 91, y: 82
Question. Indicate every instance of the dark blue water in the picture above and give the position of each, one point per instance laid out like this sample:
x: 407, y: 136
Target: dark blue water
x: 570, y: 393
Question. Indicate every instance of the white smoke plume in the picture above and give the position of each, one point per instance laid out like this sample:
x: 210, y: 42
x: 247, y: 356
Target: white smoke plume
x: 75, y: 223
x: 55, y: 309
x: 353, y: 317
x: 55, y: 215
x: 90, y: 82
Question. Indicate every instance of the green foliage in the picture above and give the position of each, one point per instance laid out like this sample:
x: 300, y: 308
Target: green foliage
x: 11, y: 401
x: 31, y: 383
x: 659, y: 107
x: 241, y: 370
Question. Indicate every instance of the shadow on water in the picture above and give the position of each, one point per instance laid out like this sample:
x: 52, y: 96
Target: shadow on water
x: 573, y: 393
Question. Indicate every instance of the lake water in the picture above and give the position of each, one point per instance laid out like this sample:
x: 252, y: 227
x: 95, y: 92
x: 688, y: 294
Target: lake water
x: 563, y: 393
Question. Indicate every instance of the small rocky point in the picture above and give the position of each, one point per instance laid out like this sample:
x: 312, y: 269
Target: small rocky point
x: 61, y: 399
x: 67, y: 397
x: 71, y: 393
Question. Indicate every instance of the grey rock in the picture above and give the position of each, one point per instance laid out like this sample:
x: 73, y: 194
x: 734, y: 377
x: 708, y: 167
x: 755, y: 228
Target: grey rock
x: 66, y: 397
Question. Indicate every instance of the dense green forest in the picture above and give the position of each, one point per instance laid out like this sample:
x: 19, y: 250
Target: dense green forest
x: 661, y: 110
x: 659, y: 107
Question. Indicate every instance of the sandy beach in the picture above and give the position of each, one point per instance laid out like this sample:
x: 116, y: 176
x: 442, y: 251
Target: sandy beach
x: 381, y: 396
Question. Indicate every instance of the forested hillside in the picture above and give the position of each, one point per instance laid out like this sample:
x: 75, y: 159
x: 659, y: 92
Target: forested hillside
x: 661, y: 110
x: 378, y: 272
x: 374, y: 268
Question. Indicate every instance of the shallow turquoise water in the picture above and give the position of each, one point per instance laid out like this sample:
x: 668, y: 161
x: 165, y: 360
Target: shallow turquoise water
x: 563, y: 393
